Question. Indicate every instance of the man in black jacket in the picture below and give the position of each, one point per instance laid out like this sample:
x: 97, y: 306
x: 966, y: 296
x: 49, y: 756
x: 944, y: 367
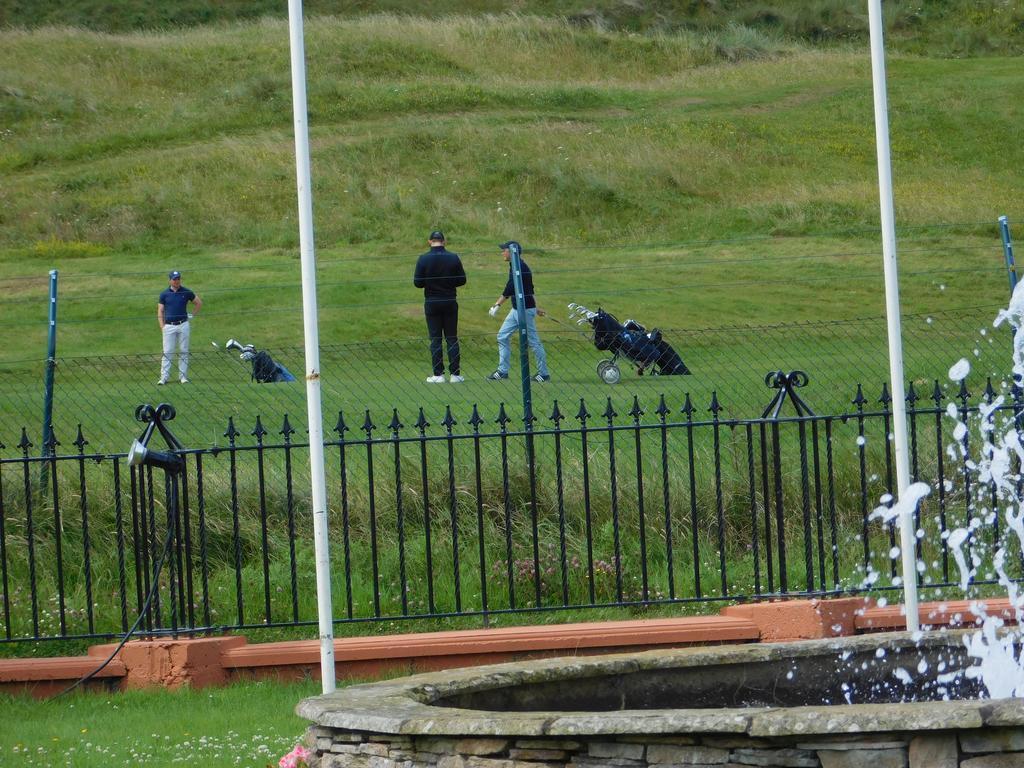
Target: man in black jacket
x: 439, y: 273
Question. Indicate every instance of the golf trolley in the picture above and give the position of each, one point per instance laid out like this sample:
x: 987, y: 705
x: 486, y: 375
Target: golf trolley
x: 265, y: 370
x: 646, y: 349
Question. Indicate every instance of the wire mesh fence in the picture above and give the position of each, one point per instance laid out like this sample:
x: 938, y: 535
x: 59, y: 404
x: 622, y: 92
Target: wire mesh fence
x: 95, y: 397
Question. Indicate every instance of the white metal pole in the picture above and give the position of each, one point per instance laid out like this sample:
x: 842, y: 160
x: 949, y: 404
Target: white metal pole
x: 908, y: 534
x: 311, y: 334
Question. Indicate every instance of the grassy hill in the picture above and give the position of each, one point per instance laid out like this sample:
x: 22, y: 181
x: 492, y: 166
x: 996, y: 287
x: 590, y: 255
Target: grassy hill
x: 153, y: 146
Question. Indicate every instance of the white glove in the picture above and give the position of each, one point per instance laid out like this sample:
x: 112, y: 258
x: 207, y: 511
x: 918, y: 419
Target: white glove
x: 493, y: 311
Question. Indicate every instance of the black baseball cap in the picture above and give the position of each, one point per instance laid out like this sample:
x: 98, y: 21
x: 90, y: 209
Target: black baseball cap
x: 509, y: 244
x: 174, y: 275
x: 437, y: 234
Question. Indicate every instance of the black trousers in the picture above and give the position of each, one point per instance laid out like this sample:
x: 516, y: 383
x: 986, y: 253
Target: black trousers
x: 443, y: 318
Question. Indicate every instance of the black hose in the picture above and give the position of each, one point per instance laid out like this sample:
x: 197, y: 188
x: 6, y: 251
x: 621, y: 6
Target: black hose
x: 145, y: 607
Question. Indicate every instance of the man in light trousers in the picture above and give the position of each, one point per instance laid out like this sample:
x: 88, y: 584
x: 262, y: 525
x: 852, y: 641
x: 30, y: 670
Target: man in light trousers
x: 511, y: 324
x: 173, y: 316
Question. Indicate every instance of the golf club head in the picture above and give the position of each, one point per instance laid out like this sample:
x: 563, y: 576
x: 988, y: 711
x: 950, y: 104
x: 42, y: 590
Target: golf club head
x: 580, y: 310
x: 232, y: 344
x: 215, y: 345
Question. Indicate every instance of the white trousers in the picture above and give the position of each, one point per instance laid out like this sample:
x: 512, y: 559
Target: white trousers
x: 175, y: 337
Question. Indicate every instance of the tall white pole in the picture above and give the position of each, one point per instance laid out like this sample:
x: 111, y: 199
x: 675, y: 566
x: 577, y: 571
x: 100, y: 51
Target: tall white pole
x: 312, y: 341
x: 908, y: 535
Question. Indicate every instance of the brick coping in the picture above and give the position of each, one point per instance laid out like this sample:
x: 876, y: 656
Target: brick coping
x: 567, y: 638
x: 218, y: 660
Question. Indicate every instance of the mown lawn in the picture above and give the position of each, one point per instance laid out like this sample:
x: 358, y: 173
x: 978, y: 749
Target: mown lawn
x: 247, y: 724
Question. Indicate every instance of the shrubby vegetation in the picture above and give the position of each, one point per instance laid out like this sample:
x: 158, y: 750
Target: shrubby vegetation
x: 931, y: 27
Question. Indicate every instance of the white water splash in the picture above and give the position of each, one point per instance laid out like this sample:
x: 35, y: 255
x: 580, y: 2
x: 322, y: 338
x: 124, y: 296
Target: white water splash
x: 999, y: 663
x: 902, y: 675
x: 997, y: 651
x: 987, y: 446
x: 1014, y: 315
x: 955, y: 542
x: 960, y: 370
x: 908, y: 503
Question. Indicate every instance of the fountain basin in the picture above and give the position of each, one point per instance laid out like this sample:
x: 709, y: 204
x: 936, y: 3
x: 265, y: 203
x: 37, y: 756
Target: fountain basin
x: 778, y: 704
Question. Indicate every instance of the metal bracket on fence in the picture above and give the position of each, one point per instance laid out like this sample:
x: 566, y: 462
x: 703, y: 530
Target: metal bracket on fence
x: 786, y: 384
x: 154, y: 419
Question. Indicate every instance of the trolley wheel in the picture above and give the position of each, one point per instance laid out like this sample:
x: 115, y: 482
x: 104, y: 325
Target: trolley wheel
x: 611, y: 374
x: 602, y: 366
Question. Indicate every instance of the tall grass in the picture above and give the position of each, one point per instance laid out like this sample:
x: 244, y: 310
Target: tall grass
x: 580, y: 135
x: 945, y: 27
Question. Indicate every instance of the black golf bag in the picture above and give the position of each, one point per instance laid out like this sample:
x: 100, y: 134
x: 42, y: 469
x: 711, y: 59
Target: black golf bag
x: 265, y: 370
x: 647, y: 349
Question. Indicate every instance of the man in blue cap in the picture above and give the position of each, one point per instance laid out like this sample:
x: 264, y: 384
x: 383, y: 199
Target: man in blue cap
x: 173, y: 316
x: 511, y: 324
x: 439, y: 273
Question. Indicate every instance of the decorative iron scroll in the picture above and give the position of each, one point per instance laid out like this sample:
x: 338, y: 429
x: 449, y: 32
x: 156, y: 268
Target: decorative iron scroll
x: 787, y: 385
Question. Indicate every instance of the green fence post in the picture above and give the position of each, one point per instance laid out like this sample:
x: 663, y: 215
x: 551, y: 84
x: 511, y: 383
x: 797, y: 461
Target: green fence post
x: 524, y: 356
x: 1011, y: 267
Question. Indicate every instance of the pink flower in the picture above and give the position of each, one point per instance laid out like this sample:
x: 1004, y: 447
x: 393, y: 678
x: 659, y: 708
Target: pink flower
x: 296, y: 758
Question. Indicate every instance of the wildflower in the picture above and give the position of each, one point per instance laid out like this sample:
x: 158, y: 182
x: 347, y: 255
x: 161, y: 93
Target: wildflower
x: 297, y: 758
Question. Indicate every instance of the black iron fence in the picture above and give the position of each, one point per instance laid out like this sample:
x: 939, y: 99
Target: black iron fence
x: 472, y: 511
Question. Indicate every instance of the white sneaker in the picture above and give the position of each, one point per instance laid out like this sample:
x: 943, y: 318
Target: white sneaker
x: 183, y: 380
x: 455, y: 378
x: 161, y: 382
x: 435, y: 379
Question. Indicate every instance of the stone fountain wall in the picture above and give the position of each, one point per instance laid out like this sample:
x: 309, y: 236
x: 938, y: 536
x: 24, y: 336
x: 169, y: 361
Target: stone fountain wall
x: 968, y: 748
x: 534, y: 714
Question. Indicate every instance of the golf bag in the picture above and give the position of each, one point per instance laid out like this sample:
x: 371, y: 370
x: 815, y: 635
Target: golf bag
x: 265, y: 370
x: 647, y: 349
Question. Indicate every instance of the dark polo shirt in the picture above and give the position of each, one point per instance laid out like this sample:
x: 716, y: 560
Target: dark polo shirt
x: 176, y: 304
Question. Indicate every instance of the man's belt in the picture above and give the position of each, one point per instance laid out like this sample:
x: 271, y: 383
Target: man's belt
x: 176, y: 322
